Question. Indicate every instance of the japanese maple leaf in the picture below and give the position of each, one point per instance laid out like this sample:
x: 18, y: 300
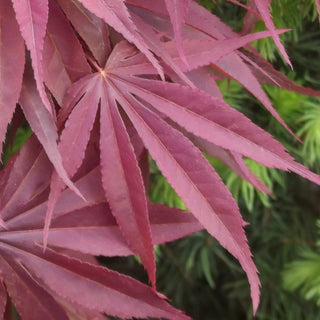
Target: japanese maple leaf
x: 11, y: 65
x: 122, y: 180
x: 149, y: 104
x: 65, y: 281
x: 201, y: 24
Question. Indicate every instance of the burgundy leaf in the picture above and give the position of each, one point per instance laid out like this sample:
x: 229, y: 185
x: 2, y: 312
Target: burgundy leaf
x: 88, y: 227
x: 178, y: 11
x: 266, y: 73
x: 116, y: 14
x: 28, y: 176
x: 80, y: 313
x: 73, y: 143
x: 203, y: 25
x: 204, y: 80
x: 97, y: 288
x: 63, y: 58
x: 194, y: 110
x: 114, y: 113
x: 194, y: 184
x: 233, y: 160
x: 198, y: 18
x: 92, y: 29
x: 157, y: 46
x: 250, y: 19
x: 263, y: 8
x: 123, y: 184
x: 21, y: 258
x: 11, y: 65
x: 72, y: 97
x: 203, y: 52
x: 42, y: 125
x: 30, y: 299
x: 93, y: 230
x: 32, y: 17
x: 246, y: 78
x: 68, y: 202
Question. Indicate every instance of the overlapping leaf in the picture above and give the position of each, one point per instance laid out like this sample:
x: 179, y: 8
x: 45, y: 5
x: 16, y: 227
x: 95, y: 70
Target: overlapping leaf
x: 178, y: 11
x: 93, y: 30
x: 116, y: 14
x: 42, y: 124
x: 32, y: 17
x: 87, y: 227
x: 165, y: 145
x: 147, y: 103
x: 11, y: 65
x: 201, y: 24
x: 63, y: 58
x: 263, y: 8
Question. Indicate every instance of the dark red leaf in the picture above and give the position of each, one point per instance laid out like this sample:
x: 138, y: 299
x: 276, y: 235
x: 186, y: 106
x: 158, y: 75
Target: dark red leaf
x: 11, y: 65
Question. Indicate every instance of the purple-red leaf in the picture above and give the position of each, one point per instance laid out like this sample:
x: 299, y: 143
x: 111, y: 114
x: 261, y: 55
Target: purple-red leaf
x: 32, y: 17
x: 92, y: 286
x: 199, y: 53
x: 116, y: 14
x: 29, y: 176
x: 11, y: 65
x: 92, y: 30
x: 73, y: 143
x: 263, y: 8
x: 63, y: 59
x: 234, y: 67
x: 202, y: 25
x: 42, y: 125
x: 175, y: 156
x: 123, y: 184
x: 178, y: 11
x: 232, y: 159
x: 52, y: 281
x: 30, y: 299
x: 93, y: 229
x: 266, y: 73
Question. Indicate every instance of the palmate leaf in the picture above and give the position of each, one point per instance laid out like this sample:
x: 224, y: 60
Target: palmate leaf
x: 202, y: 114
x: 121, y: 176
x: 165, y: 145
x: 55, y: 280
x: 147, y: 103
